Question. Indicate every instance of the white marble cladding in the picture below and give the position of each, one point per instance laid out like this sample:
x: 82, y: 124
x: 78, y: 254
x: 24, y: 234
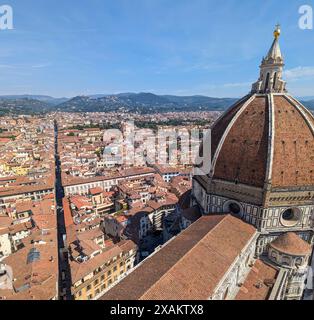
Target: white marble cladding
x: 296, y: 284
x: 264, y: 220
x: 271, y: 219
x: 230, y: 284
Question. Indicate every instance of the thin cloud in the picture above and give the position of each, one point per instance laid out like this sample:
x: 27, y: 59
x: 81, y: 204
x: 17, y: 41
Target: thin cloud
x: 35, y: 66
x: 206, y: 67
x: 299, y: 73
x: 233, y: 89
x: 42, y: 65
x: 6, y: 66
x: 237, y: 84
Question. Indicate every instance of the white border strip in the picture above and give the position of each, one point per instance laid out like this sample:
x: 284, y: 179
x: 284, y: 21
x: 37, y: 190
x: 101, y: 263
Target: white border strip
x: 271, y: 137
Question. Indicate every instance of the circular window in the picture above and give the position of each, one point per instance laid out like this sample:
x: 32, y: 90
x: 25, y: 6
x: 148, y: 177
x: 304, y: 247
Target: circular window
x: 290, y: 217
x: 234, y: 208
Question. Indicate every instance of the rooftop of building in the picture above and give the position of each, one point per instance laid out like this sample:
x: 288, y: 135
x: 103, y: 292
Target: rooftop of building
x: 290, y: 243
x: 191, y: 265
x: 259, y: 282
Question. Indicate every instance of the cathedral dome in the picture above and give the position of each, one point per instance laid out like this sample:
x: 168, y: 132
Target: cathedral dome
x: 262, y: 152
x: 266, y: 139
x: 292, y: 244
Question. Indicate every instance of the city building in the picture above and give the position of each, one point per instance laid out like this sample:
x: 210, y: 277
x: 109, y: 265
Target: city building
x: 255, y: 236
x: 29, y: 263
x: 95, y: 261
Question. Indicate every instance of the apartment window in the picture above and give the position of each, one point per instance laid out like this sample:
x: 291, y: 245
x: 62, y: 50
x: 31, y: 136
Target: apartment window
x: 90, y: 297
x: 103, y: 287
x: 109, y: 273
x: 97, y: 291
x: 110, y: 282
x: 114, y: 268
x: 102, y: 278
x: 121, y: 264
x: 96, y: 282
x: 88, y: 287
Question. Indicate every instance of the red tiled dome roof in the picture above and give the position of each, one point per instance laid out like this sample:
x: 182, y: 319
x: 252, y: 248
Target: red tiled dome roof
x: 265, y: 138
x: 290, y: 243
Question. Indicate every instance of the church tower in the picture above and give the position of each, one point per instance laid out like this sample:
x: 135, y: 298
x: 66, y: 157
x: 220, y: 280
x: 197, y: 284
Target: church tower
x: 262, y: 155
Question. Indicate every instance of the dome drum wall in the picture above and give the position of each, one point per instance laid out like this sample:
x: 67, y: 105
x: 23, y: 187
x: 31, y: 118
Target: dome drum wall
x: 286, y: 219
x: 264, y: 219
x: 226, y: 189
x: 287, y: 260
x: 290, y: 197
x: 265, y: 239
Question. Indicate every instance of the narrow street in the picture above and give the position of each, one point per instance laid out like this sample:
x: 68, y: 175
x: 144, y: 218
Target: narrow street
x: 64, y: 269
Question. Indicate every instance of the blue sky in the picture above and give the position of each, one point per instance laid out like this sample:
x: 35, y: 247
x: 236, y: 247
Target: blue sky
x: 183, y: 47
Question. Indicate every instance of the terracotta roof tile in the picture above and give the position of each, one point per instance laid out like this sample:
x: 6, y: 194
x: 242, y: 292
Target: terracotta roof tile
x: 189, y: 266
x: 243, y: 156
x: 257, y: 285
x: 291, y: 243
x: 293, y: 162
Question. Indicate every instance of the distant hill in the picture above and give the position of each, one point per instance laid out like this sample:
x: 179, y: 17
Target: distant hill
x: 144, y: 103
x: 309, y: 104
x: 48, y: 99
x: 128, y: 102
x: 307, y: 98
x: 23, y: 106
